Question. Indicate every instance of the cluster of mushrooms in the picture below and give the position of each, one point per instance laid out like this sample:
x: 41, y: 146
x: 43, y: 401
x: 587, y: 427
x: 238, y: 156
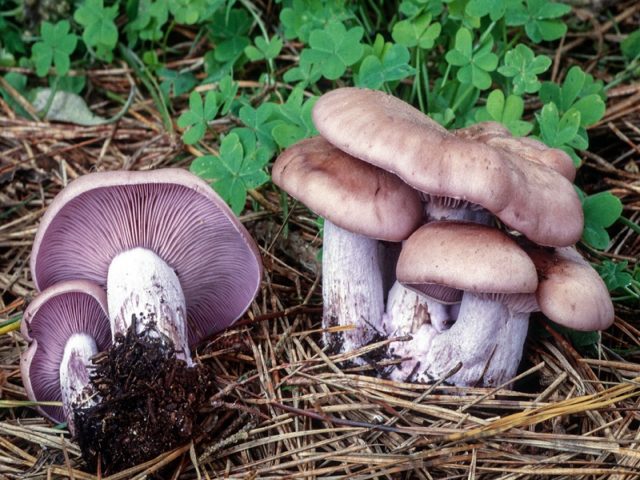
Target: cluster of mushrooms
x: 157, y: 252
x: 412, y: 247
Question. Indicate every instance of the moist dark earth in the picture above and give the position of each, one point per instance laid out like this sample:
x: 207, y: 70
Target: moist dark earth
x: 150, y: 402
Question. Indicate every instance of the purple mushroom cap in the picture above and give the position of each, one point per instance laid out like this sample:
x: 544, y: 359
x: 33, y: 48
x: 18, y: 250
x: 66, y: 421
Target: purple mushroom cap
x: 170, y: 212
x: 76, y: 306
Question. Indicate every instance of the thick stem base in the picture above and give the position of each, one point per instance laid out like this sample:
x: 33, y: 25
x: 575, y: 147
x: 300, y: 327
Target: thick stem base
x: 143, y: 288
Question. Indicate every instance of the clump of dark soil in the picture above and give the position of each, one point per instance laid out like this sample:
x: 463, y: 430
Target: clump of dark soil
x: 150, y: 402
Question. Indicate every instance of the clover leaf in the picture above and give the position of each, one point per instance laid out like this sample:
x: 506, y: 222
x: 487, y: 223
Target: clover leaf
x: 264, y: 49
x: 195, y: 119
x: 601, y: 210
x: 523, y: 66
x: 417, y: 31
x: 580, y: 91
x: 630, y: 46
x: 394, y: 65
x: 149, y: 19
x: 494, y: 8
x: 100, y: 31
x: 304, y: 16
x: 474, y: 66
x: 240, y: 166
x: 615, y: 274
x: 55, y: 48
x: 261, y: 121
x: 539, y: 17
x: 333, y: 49
x: 562, y: 132
x: 296, y: 122
x: 505, y: 111
x: 175, y: 83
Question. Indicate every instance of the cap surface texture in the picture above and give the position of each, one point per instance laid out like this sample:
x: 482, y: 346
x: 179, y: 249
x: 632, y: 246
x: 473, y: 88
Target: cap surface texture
x: 350, y: 193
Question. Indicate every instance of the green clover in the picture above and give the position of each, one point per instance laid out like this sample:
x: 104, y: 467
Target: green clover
x: 100, y: 31
x: 505, y: 111
x: 55, y: 48
x: 333, y: 49
x: 474, y: 66
x: 200, y: 113
x: 523, y: 67
x: 239, y: 167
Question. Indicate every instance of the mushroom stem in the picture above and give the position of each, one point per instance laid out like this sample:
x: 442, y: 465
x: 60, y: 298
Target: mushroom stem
x: 472, y: 341
x: 143, y: 288
x: 508, y: 352
x: 74, y: 375
x: 352, y: 288
x: 409, y: 313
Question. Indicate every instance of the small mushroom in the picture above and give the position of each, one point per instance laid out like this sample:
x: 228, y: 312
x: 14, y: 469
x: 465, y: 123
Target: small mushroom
x: 168, y: 250
x: 361, y: 204
x: 389, y: 133
x: 496, y: 275
x: 65, y: 326
x: 571, y: 293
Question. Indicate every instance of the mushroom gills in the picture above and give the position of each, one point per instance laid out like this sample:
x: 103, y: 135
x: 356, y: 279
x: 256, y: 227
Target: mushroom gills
x: 143, y: 288
x: 74, y: 375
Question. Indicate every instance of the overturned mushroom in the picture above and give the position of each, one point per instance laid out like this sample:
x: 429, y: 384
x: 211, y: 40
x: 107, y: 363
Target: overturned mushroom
x: 65, y: 326
x: 361, y: 204
x: 177, y: 267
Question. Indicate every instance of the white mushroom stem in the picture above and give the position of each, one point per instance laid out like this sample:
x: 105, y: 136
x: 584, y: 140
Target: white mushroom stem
x: 142, y: 287
x: 418, y: 317
x: 487, y: 340
x: 352, y: 288
x: 74, y: 375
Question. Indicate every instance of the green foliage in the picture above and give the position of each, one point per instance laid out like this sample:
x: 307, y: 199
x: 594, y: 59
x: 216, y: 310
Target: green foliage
x: 264, y: 49
x: 304, y: 16
x: 540, y: 18
x: 333, y: 49
x: 505, y: 111
x: 200, y: 113
x: 388, y: 62
x: 615, y: 274
x: 149, y: 19
x: 100, y: 31
x: 475, y: 66
x: 630, y: 46
x: 561, y: 131
x: 494, y: 8
x: 523, y: 67
x: 55, y: 48
x: 600, y: 212
x: 176, y: 83
x: 417, y: 31
x: 239, y: 167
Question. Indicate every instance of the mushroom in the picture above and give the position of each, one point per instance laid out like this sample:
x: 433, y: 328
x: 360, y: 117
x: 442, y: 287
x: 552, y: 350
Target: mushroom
x: 65, y: 326
x: 498, y: 136
x: 389, y: 133
x: 361, y: 204
x: 570, y: 291
x: 169, y: 251
x: 496, y: 275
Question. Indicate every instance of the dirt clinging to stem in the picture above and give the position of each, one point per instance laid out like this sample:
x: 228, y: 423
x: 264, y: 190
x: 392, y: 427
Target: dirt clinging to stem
x: 150, y: 401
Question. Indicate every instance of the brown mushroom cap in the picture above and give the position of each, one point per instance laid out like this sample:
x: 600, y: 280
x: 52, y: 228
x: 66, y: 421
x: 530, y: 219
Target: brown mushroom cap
x: 571, y: 293
x: 467, y: 256
x: 498, y: 136
x: 350, y: 193
x: 387, y: 132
